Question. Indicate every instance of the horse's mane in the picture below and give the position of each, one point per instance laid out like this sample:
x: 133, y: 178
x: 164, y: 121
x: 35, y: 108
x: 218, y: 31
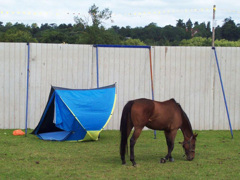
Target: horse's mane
x: 185, y: 118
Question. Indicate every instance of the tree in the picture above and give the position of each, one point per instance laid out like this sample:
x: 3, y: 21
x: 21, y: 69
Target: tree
x: 218, y: 33
x: 172, y: 35
x: 196, y: 24
x: 34, y: 29
x: 202, y: 30
x: 52, y: 36
x: 150, y: 32
x: 125, y: 31
x: 97, y: 16
x: 116, y: 29
x: 8, y: 25
x: 180, y: 24
x: 189, y: 25
x: 208, y: 30
x: 95, y: 33
x: 229, y: 30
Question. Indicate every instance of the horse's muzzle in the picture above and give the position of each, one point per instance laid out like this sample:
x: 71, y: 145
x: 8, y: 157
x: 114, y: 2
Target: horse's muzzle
x: 190, y: 158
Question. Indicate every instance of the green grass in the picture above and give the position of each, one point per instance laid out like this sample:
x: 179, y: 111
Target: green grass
x: 217, y: 157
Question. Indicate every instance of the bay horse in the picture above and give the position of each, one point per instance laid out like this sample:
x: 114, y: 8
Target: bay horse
x: 167, y: 116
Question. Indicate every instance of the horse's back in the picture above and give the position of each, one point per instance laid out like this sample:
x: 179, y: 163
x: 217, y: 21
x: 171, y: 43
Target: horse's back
x: 142, y: 109
x: 165, y: 115
x: 156, y: 115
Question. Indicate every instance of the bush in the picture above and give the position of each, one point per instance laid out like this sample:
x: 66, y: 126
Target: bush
x: 135, y: 42
x: 199, y: 41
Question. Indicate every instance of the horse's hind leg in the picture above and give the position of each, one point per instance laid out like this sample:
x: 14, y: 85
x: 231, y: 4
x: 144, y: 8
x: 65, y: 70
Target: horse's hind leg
x: 129, y: 129
x: 170, y: 137
x: 133, y: 140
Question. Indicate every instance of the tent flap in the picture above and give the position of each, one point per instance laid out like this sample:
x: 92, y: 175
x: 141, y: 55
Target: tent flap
x: 55, y: 136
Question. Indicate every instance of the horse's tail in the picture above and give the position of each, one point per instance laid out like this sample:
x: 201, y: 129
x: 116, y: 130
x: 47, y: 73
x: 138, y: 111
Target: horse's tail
x: 126, y: 115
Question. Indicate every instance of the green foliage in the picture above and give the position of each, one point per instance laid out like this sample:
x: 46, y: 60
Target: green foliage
x: 136, y: 42
x: 229, y: 30
x: 226, y: 43
x: 196, y: 41
x: 217, y: 157
x: 199, y: 41
x: 16, y: 35
x: 98, y: 16
x: 95, y: 35
x: 180, y: 24
x: 92, y: 31
x: 52, y: 36
x: 202, y: 30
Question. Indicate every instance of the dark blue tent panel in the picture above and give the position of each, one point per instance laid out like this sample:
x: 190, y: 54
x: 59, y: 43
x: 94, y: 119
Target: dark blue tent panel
x: 76, y: 114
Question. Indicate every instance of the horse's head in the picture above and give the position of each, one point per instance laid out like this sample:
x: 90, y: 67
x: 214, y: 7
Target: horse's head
x: 189, y: 147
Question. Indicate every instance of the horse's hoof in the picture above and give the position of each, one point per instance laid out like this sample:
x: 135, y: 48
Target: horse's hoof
x: 163, y: 160
x: 171, y: 159
x: 123, y: 162
x: 134, y: 164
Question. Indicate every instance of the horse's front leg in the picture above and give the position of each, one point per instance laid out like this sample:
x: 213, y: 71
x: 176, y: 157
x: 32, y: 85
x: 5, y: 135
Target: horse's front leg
x: 133, y: 141
x: 170, y: 137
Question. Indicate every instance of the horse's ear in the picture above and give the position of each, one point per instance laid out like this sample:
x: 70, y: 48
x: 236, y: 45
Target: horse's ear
x: 195, y: 135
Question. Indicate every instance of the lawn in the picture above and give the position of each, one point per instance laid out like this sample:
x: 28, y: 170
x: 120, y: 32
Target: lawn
x: 217, y: 157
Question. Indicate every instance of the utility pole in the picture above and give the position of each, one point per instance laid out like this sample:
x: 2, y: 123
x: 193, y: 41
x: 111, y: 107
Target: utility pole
x: 213, y: 26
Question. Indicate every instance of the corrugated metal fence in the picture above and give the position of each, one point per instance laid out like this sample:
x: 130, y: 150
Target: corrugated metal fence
x: 188, y: 74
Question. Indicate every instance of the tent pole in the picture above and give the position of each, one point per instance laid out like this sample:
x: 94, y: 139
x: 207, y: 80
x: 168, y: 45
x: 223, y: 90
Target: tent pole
x: 26, y: 121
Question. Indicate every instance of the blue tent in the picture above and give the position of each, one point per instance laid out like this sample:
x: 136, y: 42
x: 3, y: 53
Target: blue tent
x: 76, y: 114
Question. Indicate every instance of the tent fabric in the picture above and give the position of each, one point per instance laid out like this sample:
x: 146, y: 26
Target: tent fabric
x: 76, y: 114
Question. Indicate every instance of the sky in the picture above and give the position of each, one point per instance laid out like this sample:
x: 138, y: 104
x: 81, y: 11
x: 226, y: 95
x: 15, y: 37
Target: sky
x: 133, y: 13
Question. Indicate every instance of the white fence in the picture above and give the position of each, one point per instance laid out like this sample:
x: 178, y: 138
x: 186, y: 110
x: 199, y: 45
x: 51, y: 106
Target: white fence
x: 188, y: 74
x: 13, y: 64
